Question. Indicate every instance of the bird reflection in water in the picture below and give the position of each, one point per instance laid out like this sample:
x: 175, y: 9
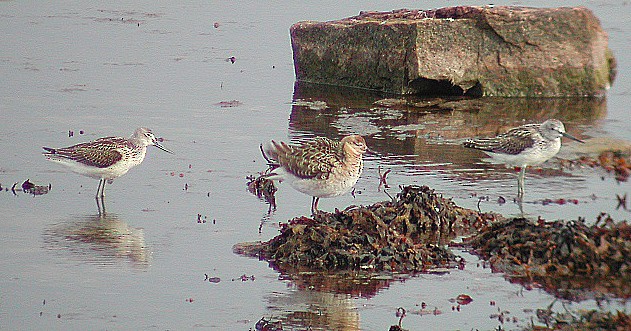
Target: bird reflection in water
x: 316, y: 309
x: 102, y: 239
x: 322, y: 300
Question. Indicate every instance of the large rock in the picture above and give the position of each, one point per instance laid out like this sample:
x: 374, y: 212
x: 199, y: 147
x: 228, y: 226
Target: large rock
x: 490, y: 51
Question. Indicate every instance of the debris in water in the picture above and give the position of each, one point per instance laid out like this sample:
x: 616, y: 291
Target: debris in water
x: 229, y: 104
x: 559, y: 201
x: 313, y: 105
x: 382, y: 179
x: 463, y: 299
x: 268, y: 325
x: 263, y: 188
x: 27, y: 185
x: 245, y: 278
x: 212, y: 279
x: 39, y: 189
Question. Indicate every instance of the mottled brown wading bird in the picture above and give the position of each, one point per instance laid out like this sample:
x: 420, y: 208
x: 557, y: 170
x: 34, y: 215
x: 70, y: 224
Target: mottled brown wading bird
x: 321, y: 168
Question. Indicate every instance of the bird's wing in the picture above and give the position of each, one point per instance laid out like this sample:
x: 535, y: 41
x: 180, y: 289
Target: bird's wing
x: 100, y: 153
x: 313, y: 159
x: 512, y: 142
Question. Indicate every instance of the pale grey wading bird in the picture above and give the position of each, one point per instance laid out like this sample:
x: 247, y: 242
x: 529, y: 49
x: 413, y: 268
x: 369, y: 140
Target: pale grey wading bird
x: 526, y: 145
x: 321, y: 168
x: 105, y: 158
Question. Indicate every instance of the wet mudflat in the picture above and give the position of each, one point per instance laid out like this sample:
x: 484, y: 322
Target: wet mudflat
x: 216, y: 81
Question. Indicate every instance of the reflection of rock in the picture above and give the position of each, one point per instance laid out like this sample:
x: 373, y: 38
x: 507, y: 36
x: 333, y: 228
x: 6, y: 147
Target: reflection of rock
x: 430, y: 128
x: 101, y: 240
x: 490, y: 51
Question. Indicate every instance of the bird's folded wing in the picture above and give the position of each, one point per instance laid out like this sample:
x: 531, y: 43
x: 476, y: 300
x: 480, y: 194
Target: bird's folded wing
x: 314, y: 159
x: 512, y: 142
x: 100, y: 155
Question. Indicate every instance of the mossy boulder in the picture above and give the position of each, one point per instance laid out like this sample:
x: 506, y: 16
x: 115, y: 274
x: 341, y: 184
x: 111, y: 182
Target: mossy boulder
x: 471, y: 50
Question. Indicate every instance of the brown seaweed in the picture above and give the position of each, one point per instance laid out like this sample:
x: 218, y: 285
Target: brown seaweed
x: 569, y: 259
x: 405, y: 235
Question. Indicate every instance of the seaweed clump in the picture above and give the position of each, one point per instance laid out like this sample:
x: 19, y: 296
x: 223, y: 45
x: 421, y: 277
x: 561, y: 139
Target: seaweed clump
x: 402, y: 235
x: 567, y: 258
x: 586, y: 320
x: 616, y: 162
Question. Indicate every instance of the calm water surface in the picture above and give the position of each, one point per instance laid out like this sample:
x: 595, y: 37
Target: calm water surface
x: 105, y: 69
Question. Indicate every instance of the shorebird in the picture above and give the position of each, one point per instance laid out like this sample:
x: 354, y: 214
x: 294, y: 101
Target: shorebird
x: 321, y: 168
x: 105, y: 158
x: 526, y: 145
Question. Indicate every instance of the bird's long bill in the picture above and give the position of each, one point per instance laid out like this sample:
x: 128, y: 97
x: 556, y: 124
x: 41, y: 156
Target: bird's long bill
x: 157, y: 144
x: 572, y: 137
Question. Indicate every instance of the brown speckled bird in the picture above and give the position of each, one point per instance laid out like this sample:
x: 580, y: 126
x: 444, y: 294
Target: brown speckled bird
x: 321, y: 168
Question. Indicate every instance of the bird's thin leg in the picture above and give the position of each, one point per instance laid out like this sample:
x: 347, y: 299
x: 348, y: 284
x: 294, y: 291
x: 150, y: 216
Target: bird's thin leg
x: 521, y: 208
x: 314, y: 205
x: 99, y: 193
x: 520, y: 183
x: 100, y: 205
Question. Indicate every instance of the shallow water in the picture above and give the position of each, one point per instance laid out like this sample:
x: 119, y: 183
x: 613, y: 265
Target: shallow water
x: 105, y: 69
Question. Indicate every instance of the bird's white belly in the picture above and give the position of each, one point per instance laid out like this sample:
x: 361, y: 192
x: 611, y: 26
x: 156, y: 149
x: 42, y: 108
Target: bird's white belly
x: 114, y: 171
x: 530, y: 156
x: 324, y: 188
x: 337, y: 183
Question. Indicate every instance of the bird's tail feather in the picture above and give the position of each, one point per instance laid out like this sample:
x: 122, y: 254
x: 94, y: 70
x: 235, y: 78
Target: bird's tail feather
x: 49, y: 151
